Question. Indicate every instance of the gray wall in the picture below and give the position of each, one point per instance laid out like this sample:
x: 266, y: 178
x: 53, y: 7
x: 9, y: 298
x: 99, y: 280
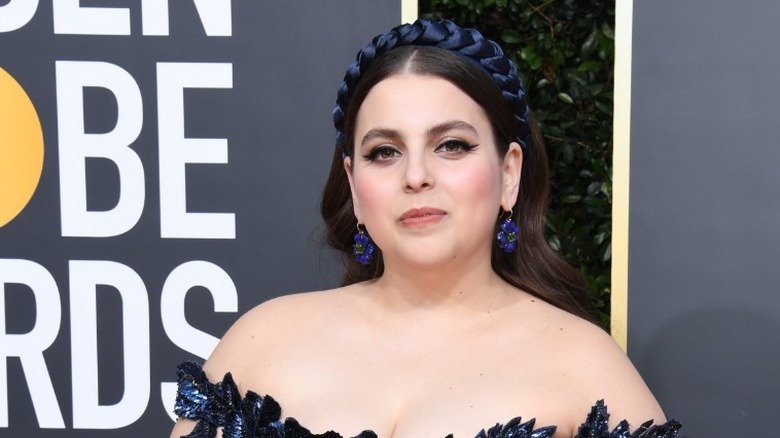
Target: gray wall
x: 284, y: 62
x: 704, y: 282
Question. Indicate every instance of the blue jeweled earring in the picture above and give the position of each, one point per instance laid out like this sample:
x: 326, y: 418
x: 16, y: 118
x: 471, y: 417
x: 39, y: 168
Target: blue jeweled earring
x: 363, y: 248
x: 507, y: 237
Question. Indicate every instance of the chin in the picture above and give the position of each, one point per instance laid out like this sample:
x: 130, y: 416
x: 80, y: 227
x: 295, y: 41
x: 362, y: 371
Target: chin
x: 425, y: 258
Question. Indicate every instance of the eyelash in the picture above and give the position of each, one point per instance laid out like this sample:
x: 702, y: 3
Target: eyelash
x: 462, y: 147
x: 375, y: 154
x: 460, y: 144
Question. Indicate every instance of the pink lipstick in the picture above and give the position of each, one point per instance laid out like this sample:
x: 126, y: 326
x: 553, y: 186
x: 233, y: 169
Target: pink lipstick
x: 418, y: 217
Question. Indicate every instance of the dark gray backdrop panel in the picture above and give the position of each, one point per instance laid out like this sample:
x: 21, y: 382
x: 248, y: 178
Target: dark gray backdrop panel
x: 704, y: 283
x: 288, y: 59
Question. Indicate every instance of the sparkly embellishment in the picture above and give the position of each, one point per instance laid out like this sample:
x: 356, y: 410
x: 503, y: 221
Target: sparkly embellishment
x: 363, y: 248
x: 595, y: 426
x: 220, y: 405
x: 507, y: 237
x: 215, y: 405
x: 515, y: 429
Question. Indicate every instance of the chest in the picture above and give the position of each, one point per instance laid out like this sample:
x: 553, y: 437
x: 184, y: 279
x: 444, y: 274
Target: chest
x: 431, y: 393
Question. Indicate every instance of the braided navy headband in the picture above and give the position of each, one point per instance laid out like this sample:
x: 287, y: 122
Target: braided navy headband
x: 449, y: 36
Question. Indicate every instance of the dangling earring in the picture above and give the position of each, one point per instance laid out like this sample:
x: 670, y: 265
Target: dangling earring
x: 507, y: 237
x: 363, y: 248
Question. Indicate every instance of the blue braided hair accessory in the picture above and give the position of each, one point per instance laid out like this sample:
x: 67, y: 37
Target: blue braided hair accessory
x: 447, y: 35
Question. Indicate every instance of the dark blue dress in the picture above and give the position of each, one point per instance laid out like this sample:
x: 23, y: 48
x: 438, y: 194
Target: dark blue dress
x: 215, y: 405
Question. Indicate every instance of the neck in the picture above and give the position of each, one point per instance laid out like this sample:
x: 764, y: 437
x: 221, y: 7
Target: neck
x: 454, y: 287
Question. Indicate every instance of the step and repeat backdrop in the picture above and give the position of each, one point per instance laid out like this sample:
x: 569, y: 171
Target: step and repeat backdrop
x: 161, y: 164
x: 704, y: 262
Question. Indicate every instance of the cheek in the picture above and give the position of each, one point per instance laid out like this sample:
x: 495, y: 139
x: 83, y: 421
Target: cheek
x: 371, y: 195
x: 479, y: 186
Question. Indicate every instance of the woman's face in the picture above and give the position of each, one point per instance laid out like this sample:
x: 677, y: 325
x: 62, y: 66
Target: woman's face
x: 426, y: 177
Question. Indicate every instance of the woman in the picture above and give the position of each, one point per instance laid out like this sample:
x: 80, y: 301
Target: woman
x: 451, y: 317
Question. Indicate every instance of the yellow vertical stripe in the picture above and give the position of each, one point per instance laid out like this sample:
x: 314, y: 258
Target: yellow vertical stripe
x: 408, y: 11
x: 624, y: 15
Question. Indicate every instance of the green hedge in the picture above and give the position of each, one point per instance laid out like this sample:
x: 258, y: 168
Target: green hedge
x: 564, y: 50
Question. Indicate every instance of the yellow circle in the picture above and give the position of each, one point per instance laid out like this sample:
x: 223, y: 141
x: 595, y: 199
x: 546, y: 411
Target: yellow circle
x: 21, y: 148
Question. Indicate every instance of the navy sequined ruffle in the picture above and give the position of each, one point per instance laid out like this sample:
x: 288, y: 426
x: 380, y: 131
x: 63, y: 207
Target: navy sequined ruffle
x: 220, y: 405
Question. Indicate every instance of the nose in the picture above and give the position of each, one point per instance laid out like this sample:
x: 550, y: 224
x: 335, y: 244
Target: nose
x: 417, y: 175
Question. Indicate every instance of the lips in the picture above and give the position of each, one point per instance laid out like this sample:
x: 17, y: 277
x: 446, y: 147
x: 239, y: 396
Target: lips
x: 421, y: 216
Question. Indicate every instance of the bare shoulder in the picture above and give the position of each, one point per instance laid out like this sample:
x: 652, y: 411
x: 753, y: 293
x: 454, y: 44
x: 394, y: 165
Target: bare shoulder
x: 599, y: 369
x: 254, y: 337
x: 266, y: 328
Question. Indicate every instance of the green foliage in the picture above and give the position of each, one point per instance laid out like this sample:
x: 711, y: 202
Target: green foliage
x: 564, y: 50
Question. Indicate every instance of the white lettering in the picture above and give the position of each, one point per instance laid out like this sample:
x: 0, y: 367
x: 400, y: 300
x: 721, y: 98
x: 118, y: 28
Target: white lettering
x: 176, y: 150
x: 214, y: 14
x: 75, y: 146
x: 72, y: 19
x: 179, y: 331
x: 29, y: 347
x: 16, y: 14
x: 174, y: 291
x: 85, y: 276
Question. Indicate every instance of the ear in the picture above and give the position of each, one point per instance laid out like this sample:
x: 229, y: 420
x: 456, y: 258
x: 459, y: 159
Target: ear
x: 348, y: 171
x: 511, y: 169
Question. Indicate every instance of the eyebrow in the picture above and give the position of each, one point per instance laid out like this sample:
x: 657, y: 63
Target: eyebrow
x: 434, y: 131
x: 391, y: 134
x: 450, y: 125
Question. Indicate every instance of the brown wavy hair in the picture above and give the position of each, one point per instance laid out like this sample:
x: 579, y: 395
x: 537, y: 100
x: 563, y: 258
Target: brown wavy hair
x: 533, y: 267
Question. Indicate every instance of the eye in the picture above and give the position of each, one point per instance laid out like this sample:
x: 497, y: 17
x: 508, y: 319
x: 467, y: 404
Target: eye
x: 382, y: 153
x: 455, y: 147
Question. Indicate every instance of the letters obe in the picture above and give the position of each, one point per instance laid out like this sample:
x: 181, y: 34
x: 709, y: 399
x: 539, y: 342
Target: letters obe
x: 75, y: 147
